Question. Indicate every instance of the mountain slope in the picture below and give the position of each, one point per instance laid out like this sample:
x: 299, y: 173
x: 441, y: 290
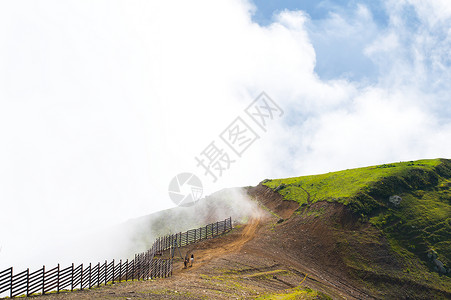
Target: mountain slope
x: 405, y: 205
x: 341, y: 235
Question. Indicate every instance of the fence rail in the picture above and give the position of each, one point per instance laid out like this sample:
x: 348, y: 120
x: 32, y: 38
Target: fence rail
x: 144, y: 266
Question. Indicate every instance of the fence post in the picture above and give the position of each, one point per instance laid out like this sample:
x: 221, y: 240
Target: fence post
x: 165, y: 269
x: 106, y: 266
x: 133, y: 268
x: 11, y: 283
x: 157, y: 268
x: 98, y: 274
x: 58, y: 280
x: 113, y: 272
x: 120, y: 270
x: 28, y: 281
x: 43, y: 280
x: 72, y: 278
x: 90, y: 274
x: 138, y: 269
x: 147, y: 265
x: 140, y: 266
x: 151, y: 256
x: 81, y: 278
x: 126, y: 271
x: 145, y: 261
x: 134, y: 263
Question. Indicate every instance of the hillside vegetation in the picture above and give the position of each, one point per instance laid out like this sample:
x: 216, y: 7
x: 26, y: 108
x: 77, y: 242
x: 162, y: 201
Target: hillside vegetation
x: 410, y: 202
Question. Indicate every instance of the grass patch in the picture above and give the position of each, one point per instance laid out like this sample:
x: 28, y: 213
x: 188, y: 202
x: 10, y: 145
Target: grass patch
x: 268, y: 274
x: 341, y: 186
x: 296, y: 293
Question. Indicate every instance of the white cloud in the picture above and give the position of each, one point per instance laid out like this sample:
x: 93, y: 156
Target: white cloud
x: 436, y: 13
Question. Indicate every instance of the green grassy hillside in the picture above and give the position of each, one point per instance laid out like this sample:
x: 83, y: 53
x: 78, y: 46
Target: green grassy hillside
x: 418, y: 227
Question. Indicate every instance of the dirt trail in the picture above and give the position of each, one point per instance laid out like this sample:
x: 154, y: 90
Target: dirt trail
x: 220, y: 248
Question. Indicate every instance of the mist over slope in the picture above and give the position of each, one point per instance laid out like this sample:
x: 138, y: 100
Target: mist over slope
x: 122, y: 241
x: 232, y: 202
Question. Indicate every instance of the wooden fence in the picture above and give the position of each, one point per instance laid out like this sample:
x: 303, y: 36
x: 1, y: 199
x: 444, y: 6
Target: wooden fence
x: 144, y: 266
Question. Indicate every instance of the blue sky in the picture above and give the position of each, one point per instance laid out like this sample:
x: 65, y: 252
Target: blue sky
x: 316, y: 9
x: 337, y: 56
